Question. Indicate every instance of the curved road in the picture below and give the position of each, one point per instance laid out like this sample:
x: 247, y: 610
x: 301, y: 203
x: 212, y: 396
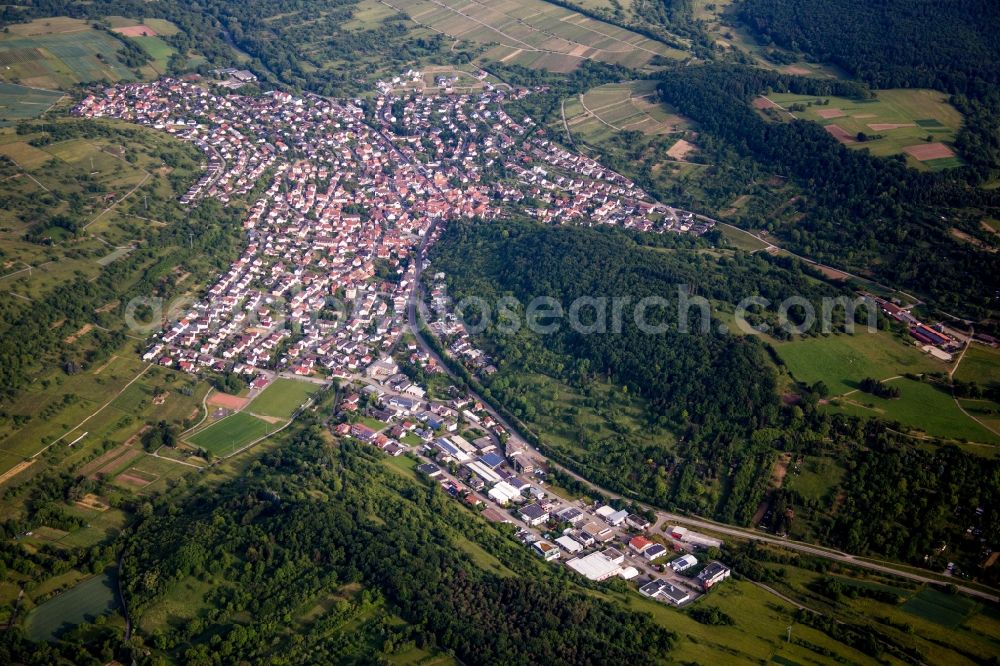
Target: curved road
x: 665, y: 516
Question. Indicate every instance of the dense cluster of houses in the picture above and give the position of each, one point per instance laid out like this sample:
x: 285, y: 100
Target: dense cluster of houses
x: 324, y: 279
x: 449, y: 328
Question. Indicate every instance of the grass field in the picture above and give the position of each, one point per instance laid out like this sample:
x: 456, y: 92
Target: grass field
x: 980, y: 364
x: 741, y: 240
x: 157, y: 49
x: 162, y: 26
x: 231, y: 433
x: 816, y: 476
x: 757, y: 636
x: 372, y: 423
x: 842, y: 361
x: 60, y: 52
x: 921, y: 405
x: 282, y: 397
x: 945, y: 629
x: 368, y: 14
x: 84, y: 602
x: 902, y: 117
x: 535, y: 33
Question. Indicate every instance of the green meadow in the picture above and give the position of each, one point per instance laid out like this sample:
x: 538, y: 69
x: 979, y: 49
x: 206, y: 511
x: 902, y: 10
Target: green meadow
x: 842, y: 361
x: 926, y: 406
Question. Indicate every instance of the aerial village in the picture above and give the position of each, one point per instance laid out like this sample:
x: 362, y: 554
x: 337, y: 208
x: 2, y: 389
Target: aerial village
x: 348, y: 192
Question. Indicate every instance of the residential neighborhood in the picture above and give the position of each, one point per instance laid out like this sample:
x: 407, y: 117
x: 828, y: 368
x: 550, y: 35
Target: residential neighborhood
x: 350, y: 189
x: 346, y: 195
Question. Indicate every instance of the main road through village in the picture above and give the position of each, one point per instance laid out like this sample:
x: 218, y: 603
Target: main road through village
x: 664, y: 516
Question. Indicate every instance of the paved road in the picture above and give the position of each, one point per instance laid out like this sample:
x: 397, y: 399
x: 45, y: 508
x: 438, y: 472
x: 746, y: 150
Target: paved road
x: 665, y: 516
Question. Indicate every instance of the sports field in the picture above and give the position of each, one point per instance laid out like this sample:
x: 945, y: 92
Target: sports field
x: 903, y: 118
x: 232, y: 433
x: 621, y: 106
x: 82, y: 603
x: 535, y: 33
x: 282, y: 398
x: 58, y: 53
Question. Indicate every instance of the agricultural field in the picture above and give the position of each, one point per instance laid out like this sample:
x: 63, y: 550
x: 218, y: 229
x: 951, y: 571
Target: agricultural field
x: 97, y: 177
x: 619, y: 107
x: 63, y: 418
x: 903, y: 119
x: 232, y: 433
x: 535, y: 34
x: 21, y: 102
x: 59, y: 53
x: 149, y: 35
x: 110, y: 402
x: 84, y: 602
x: 282, y: 397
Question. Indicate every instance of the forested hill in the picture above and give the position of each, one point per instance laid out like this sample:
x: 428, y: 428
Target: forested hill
x: 952, y: 46
x: 716, y: 391
x: 311, y: 519
x: 867, y: 214
x: 715, y: 380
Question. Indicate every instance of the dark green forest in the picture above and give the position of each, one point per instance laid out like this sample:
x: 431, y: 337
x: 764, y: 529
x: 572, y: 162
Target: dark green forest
x: 715, y: 389
x: 951, y: 46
